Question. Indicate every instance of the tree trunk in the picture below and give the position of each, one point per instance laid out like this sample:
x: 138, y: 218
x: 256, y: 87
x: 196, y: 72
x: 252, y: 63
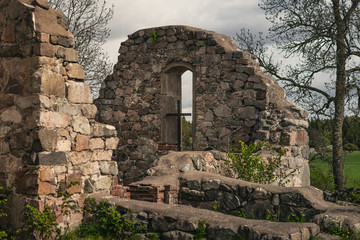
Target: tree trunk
x: 338, y: 162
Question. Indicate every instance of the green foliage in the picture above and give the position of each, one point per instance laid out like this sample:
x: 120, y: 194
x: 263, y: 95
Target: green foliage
x: 242, y: 213
x: 248, y: 162
x: 186, y: 134
x: 344, y: 233
x: 350, y: 147
x: 42, y: 225
x: 3, y: 235
x: 272, y: 216
x: 88, y: 203
x: 321, y: 172
x: 3, y: 202
x: 293, y: 217
x: 200, y: 232
x: 154, y: 35
x: 110, y: 223
x: 67, y: 205
x: 322, y: 178
x: 215, y: 206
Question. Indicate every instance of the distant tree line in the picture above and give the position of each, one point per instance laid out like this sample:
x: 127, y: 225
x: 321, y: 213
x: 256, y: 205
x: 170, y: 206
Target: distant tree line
x: 320, y: 131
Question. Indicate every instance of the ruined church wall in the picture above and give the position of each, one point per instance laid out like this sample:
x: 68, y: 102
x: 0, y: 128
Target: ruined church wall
x: 48, y: 135
x: 233, y: 99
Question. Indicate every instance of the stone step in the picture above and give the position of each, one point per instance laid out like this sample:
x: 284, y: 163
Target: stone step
x: 167, y: 218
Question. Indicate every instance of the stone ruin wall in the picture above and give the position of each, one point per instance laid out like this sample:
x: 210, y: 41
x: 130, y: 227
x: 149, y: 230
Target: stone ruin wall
x: 232, y: 99
x: 48, y: 135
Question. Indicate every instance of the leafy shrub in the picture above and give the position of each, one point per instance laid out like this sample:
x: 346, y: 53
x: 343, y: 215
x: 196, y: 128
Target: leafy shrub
x: 67, y: 205
x: 200, y: 232
x: 248, y: 163
x: 293, y: 217
x: 272, y: 216
x: 41, y: 225
x: 109, y: 222
x: 321, y: 178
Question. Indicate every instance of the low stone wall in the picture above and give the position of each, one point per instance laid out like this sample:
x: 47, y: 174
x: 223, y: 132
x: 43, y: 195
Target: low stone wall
x: 234, y: 197
x: 171, y: 222
x: 258, y: 201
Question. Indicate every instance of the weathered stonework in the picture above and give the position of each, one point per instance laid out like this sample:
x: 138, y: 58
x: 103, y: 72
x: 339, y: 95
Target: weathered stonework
x: 232, y: 100
x: 46, y: 114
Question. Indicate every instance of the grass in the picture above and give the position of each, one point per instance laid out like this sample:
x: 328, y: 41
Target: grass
x: 352, y: 168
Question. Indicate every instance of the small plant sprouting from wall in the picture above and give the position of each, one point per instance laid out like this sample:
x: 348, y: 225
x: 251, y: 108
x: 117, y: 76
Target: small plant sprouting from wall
x: 201, y: 232
x: 154, y: 36
x: 3, y: 201
x: 248, y: 163
x: 293, y: 217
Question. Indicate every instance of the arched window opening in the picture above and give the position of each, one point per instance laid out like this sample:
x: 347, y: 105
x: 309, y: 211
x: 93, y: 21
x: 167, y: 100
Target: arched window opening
x: 187, y: 107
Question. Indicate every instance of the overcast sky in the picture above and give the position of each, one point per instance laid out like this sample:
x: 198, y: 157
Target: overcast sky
x: 225, y: 16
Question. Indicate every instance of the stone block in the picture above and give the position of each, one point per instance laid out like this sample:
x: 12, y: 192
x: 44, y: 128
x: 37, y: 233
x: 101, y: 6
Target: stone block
x: 4, y: 131
x: 213, y: 184
x: 43, y: 37
x: 103, y: 130
x: 96, y: 143
x: 9, y: 32
x: 24, y: 102
x: 46, y: 188
x: 71, y: 55
x: 47, y: 174
x: 103, y: 183
x: 81, y: 125
x: 111, y: 143
x: 70, y: 109
x: 109, y: 168
x: 91, y: 168
x: 4, y: 147
x: 81, y: 142
x: 26, y: 181
x: 75, y: 177
x: 44, y: 49
x: 63, y: 146
x: 88, y: 110
x: 59, y: 169
x: 54, y: 158
x: 102, y: 155
x: 6, y: 101
x: 222, y: 110
x: 78, y: 92
x: 11, y: 115
x: 54, y: 120
x: 48, y: 139
x: 53, y: 84
x: 77, y: 158
x: 75, y: 71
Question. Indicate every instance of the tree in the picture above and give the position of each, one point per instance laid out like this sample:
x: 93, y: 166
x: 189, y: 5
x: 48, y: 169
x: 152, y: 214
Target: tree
x: 324, y: 35
x: 87, y: 21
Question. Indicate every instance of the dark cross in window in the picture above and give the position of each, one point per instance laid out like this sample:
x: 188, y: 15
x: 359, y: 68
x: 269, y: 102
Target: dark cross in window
x: 178, y: 115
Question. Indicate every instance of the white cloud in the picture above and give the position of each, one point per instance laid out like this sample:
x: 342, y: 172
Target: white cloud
x: 226, y: 16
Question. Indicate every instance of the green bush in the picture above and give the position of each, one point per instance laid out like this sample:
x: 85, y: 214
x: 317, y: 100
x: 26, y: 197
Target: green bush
x: 41, y: 225
x: 200, y: 232
x: 248, y: 163
x: 109, y: 223
x: 350, y: 147
x: 321, y: 178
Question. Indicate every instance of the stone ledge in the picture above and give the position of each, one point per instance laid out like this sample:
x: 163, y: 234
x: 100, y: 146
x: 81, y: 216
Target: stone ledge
x: 164, y: 218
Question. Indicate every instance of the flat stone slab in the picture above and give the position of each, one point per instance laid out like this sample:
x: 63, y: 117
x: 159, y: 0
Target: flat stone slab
x: 166, y: 217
